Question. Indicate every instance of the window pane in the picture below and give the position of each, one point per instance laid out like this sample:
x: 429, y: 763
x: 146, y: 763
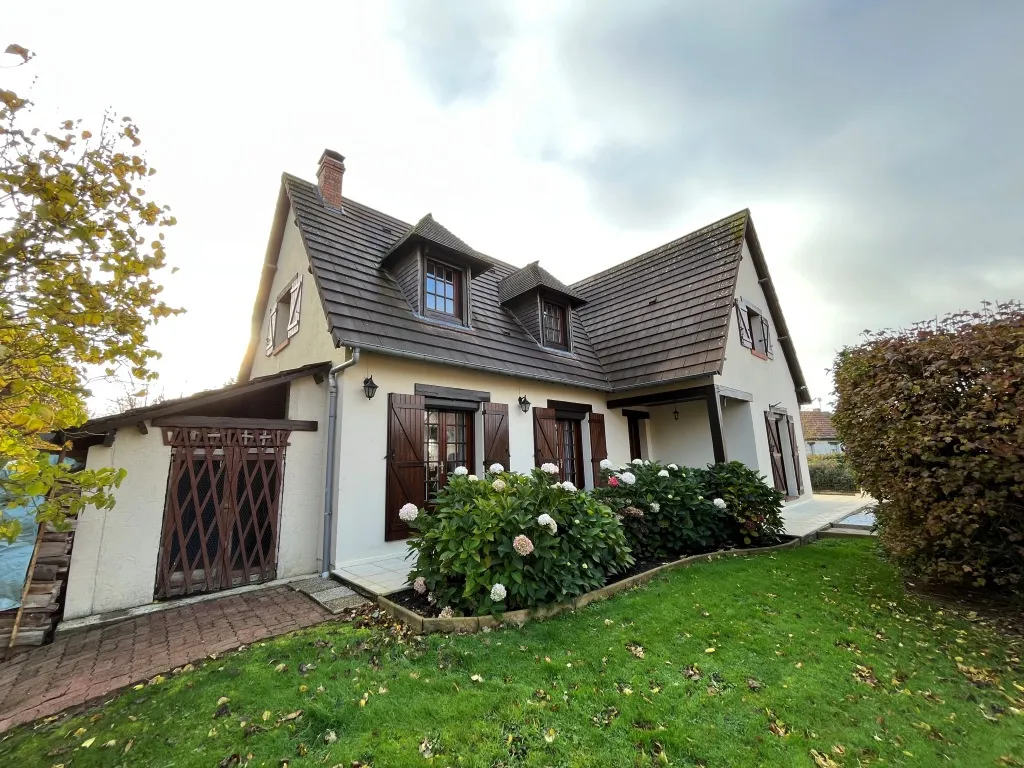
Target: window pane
x: 449, y: 290
x: 430, y: 301
x: 431, y: 285
x: 449, y: 307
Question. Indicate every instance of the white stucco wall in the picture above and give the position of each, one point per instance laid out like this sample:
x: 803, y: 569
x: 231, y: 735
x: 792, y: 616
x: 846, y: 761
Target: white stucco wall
x: 359, y: 531
x: 312, y: 343
x: 686, y: 442
x: 769, y: 381
x: 738, y: 420
x: 113, y: 563
x: 300, y: 532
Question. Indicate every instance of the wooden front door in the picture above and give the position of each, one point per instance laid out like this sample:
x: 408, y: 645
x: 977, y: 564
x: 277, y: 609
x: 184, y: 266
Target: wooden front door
x: 569, y: 439
x: 221, y: 509
x: 448, y: 444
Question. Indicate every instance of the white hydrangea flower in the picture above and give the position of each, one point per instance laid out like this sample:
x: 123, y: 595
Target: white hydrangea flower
x: 549, y: 522
x: 663, y: 473
x: 655, y: 507
x: 569, y: 487
x: 408, y: 512
x: 460, y: 471
x: 555, y: 486
x: 474, y: 478
x: 700, y: 498
x: 446, y: 613
x: 720, y: 503
x: 628, y: 478
x: 638, y: 462
x: 498, y: 593
x: 673, y: 466
x: 495, y: 468
x: 498, y: 485
x: 420, y: 585
x: 550, y: 468
x: 606, y: 464
x: 431, y: 599
x: 647, y: 463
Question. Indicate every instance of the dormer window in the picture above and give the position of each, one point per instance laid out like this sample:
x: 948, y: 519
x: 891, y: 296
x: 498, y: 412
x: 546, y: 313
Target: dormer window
x: 555, y: 327
x: 442, y: 290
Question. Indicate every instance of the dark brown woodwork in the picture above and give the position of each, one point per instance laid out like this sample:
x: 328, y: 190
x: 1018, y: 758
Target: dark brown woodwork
x: 221, y: 510
x: 496, y: 445
x: 796, y: 455
x: 715, y: 421
x: 663, y: 398
x: 545, y: 438
x: 406, y: 467
x: 775, y: 450
x: 230, y: 422
x: 452, y: 393
x: 569, y: 444
x: 633, y: 423
x: 598, y: 446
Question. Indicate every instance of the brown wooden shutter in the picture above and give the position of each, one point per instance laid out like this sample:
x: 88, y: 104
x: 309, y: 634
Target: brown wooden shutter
x: 598, y: 446
x: 271, y: 331
x: 743, y: 323
x: 295, y: 307
x: 496, y: 435
x: 775, y: 449
x: 407, y: 470
x: 766, y: 334
x: 545, y: 442
x: 796, y: 455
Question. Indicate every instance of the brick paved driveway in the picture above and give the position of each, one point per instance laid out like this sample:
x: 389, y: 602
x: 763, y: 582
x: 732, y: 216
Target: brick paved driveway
x: 92, y: 663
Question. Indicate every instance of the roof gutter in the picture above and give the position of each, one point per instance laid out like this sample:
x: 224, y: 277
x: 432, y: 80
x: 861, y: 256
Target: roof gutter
x: 329, y: 482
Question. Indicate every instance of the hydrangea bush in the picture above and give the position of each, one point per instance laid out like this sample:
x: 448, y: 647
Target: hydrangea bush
x: 752, y: 506
x: 510, y: 541
x: 664, y: 511
x: 670, y: 511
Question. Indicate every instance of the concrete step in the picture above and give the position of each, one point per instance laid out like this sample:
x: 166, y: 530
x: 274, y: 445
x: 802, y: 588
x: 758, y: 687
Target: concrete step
x: 843, y: 531
x: 331, y: 594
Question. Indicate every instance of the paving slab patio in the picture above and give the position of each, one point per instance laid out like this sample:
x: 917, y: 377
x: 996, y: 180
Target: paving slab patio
x: 822, y: 510
x: 92, y: 663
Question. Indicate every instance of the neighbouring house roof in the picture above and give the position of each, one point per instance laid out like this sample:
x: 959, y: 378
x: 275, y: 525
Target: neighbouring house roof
x: 661, y: 317
x: 532, y: 276
x: 817, y: 425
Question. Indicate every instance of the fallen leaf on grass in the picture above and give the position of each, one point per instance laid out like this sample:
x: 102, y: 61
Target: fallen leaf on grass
x: 753, y: 685
x: 692, y: 672
x: 823, y: 761
x: 636, y: 649
x: 266, y: 715
x: 280, y: 667
x: 290, y: 716
x: 709, y: 650
x: 222, y: 711
x: 157, y: 680
x: 128, y: 746
x: 476, y: 678
x: 865, y: 675
x: 775, y: 725
x: 230, y: 761
x: 223, y: 700
x: 330, y: 737
x: 88, y: 742
x: 301, y: 750
x: 549, y: 735
x: 426, y: 749
x: 79, y: 732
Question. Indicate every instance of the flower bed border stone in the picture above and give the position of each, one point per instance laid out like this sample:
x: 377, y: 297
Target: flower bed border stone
x: 423, y: 625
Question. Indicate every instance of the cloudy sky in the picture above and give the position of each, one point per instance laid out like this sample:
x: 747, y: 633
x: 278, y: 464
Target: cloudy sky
x: 878, y: 144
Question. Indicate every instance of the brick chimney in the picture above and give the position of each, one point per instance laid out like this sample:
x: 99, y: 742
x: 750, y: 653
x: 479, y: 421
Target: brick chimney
x: 328, y: 177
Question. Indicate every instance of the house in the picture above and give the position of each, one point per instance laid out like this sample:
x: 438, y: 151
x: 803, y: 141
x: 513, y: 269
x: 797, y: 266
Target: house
x: 385, y: 354
x: 819, y: 434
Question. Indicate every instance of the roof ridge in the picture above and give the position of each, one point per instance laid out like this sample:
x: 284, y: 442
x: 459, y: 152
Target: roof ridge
x: 664, y: 246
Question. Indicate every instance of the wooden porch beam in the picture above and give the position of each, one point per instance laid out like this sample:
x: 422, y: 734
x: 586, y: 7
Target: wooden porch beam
x: 229, y: 422
x: 664, y: 398
x: 714, y: 404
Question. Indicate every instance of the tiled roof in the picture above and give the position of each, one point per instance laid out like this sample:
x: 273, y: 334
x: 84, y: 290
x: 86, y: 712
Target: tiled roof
x: 429, y: 229
x: 817, y: 425
x: 664, y: 315
x: 535, y: 276
x: 366, y: 308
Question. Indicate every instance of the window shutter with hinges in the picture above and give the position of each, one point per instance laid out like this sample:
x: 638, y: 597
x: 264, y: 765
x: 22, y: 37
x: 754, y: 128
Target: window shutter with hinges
x: 496, y: 448
x: 296, y: 301
x: 406, y: 466
x: 598, y: 446
x: 796, y: 455
x: 743, y: 323
x: 271, y: 331
x: 544, y: 436
x: 766, y: 330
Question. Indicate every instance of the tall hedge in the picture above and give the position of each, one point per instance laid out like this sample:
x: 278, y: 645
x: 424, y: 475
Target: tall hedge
x: 932, y: 422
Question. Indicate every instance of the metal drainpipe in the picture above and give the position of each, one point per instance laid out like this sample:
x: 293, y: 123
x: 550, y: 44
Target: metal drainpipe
x: 332, y: 423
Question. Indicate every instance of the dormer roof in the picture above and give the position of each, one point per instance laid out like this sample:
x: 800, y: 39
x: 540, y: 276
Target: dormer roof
x: 428, y: 230
x: 534, y: 276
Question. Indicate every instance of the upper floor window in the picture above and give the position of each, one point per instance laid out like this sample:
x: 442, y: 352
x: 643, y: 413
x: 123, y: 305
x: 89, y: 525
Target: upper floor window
x: 283, y: 322
x: 754, y: 329
x: 443, y: 289
x: 553, y: 320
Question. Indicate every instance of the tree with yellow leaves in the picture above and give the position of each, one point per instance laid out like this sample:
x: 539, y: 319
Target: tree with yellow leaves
x: 78, y: 293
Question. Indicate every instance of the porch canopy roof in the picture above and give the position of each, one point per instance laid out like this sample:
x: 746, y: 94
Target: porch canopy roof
x: 256, y: 400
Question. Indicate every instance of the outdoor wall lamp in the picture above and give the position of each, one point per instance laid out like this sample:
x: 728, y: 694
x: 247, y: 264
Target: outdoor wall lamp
x: 675, y: 414
x: 369, y: 388
x: 524, y: 404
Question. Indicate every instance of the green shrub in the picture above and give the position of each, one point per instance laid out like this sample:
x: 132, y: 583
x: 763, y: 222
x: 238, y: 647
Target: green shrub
x: 482, y: 533
x: 664, y: 510
x: 932, y: 422
x: 832, y: 472
x: 753, y: 507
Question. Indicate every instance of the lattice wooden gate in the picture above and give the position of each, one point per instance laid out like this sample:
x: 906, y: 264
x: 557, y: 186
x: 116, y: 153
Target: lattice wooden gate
x: 221, y: 509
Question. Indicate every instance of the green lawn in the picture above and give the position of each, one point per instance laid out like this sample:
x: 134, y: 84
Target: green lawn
x: 740, y: 662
